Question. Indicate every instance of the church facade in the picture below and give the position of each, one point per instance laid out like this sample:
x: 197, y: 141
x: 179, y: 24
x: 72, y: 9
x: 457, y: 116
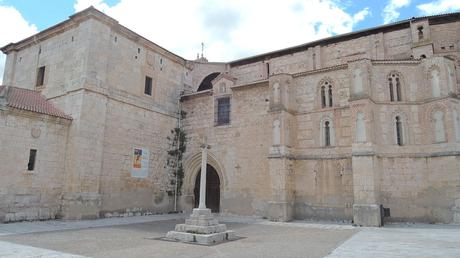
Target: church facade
x: 352, y: 127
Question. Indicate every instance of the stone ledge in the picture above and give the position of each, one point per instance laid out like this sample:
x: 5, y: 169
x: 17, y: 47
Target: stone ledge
x: 201, y: 229
x: 204, y: 239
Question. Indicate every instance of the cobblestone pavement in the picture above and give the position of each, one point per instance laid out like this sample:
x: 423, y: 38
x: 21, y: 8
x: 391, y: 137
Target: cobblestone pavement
x: 139, y: 237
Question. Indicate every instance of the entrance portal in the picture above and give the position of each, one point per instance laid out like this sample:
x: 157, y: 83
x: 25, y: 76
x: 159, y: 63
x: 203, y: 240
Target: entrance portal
x: 212, y: 189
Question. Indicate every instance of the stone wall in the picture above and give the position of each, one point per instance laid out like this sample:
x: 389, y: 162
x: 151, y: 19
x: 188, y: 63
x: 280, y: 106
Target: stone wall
x: 24, y: 194
x: 240, y: 149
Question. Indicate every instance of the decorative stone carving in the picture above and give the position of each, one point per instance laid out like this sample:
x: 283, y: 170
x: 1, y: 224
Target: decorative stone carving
x: 35, y: 132
x: 456, y: 120
x: 358, y: 81
x: 360, y: 128
x: 435, y: 88
x: 440, y: 135
x: 451, y: 80
x: 276, y: 132
x: 276, y: 93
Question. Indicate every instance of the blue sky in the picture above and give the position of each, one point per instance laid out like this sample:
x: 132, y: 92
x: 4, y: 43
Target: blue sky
x: 230, y: 29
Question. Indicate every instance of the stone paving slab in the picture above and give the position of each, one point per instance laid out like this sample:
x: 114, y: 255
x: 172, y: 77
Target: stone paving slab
x: 396, y: 241
x: 10, y: 250
x: 56, y: 225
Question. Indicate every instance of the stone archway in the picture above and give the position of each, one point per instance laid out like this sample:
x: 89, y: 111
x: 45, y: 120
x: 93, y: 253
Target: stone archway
x: 212, y: 189
x: 192, y: 167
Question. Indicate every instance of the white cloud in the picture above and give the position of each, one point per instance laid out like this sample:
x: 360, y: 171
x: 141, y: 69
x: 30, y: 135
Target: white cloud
x: 390, y: 11
x: 439, y: 6
x: 230, y: 29
x: 83, y: 4
x: 13, y: 27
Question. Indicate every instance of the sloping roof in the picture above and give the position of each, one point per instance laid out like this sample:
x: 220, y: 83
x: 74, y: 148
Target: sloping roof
x: 29, y: 100
x: 433, y: 19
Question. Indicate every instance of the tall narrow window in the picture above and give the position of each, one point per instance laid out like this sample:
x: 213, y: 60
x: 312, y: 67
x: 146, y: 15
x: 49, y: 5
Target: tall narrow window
x: 323, y: 96
x: 330, y: 95
x: 32, y: 156
x: 268, y: 69
x: 399, y: 133
x: 148, y: 86
x: 390, y: 84
x: 420, y: 32
x: 327, y: 134
x: 40, y: 76
x: 223, y: 111
x: 398, y: 89
x: 326, y: 94
x: 394, y: 84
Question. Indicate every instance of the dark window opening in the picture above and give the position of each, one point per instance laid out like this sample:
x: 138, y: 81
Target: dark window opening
x: 32, y: 156
x: 399, y: 139
x: 420, y: 32
x: 323, y: 96
x: 398, y: 89
x: 206, y: 83
x: 148, y: 86
x: 268, y: 69
x: 330, y: 96
x: 223, y: 111
x: 327, y: 134
x: 40, y: 76
x: 138, y: 50
x: 392, y: 98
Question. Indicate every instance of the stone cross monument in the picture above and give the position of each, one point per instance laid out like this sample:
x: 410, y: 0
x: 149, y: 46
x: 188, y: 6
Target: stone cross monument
x: 201, y: 227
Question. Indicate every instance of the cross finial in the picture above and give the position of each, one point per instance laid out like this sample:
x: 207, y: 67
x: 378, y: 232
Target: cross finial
x: 204, y: 143
x: 202, y: 49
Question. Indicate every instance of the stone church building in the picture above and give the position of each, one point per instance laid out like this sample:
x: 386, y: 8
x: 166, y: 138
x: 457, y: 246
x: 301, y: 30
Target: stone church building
x: 351, y: 127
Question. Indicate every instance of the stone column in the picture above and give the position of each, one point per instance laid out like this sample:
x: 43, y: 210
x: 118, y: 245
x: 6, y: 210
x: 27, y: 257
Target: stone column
x: 204, y: 156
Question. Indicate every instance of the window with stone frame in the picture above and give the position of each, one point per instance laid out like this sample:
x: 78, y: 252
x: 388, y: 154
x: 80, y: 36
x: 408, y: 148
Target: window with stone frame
x: 40, y: 76
x: 326, y: 94
x: 394, y: 84
x: 223, y: 107
x: 399, y: 131
x: 148, y: 86
x: 327, y: 132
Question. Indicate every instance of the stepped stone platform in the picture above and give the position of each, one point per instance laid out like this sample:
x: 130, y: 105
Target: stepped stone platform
x: 201, y: 228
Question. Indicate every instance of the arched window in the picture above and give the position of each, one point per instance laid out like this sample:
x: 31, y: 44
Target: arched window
x: 327, y: 134
x: 326, y: 94
x: 330, y: 95
x: 323, y: 96
x: 327, y: 137
x: 394, y: 84
x: 420, y: 32
x: 399, y: 131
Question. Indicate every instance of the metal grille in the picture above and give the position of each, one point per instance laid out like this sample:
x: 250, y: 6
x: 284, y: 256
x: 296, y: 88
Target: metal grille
x: 223, y: 111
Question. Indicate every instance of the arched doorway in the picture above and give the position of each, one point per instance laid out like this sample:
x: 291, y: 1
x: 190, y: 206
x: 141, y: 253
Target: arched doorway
x: 212, y: 189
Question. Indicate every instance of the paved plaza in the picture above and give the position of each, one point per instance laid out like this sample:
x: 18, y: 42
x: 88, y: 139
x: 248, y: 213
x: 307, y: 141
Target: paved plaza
x: 140, y: 237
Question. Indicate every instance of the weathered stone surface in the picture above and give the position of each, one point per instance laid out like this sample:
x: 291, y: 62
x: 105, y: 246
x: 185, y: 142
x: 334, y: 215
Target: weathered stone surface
x: 272, y: 159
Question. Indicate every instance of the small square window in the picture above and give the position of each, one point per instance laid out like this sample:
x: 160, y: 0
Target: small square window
x: 32, y: 156
x: 40, y: 76
x: 148, y: 86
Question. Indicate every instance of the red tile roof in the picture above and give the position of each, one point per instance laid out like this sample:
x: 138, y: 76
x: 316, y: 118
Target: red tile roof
x: 30, y: 100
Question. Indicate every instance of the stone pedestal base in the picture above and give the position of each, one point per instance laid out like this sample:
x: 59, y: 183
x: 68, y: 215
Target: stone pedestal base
x: 201, y: 228
x: 367, y: 215
x: 280, y: 211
